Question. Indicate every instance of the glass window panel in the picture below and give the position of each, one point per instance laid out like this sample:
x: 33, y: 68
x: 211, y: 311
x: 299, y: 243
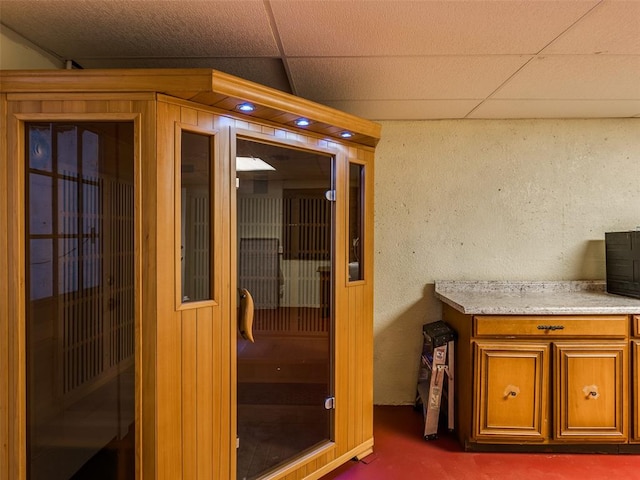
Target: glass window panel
x: 90, y: 206
x: 40, y: 147
x: 41, y: 268
x: 40, y: 205
x: 356, y: 240
x: 68, y: 207
x: 90, y: 154
x: 91, y: 265
x: 67, y: 151
x: 68, y: 269
x: 195, y: 216
x: 285, y: 223
x: 80, y: 333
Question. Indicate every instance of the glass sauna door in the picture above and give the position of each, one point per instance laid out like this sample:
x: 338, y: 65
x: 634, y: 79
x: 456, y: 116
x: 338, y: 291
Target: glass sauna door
x: 80, y: 298
x: 285, y: 224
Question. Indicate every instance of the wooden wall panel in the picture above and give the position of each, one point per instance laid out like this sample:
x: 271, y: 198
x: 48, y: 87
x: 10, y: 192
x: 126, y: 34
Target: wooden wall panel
x: 204, y: 392
x: 225, y: 322
x: 190, y: 391
x: 4, y: 298
x: 366, y: 319
x: 204, y: 346
x: 146, y: 281
x: 25, y: 107
x: 169, y: 327
x: 15, y: 291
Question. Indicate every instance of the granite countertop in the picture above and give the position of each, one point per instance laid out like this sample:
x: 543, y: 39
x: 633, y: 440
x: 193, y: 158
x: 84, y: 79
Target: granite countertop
x: 533, y: 298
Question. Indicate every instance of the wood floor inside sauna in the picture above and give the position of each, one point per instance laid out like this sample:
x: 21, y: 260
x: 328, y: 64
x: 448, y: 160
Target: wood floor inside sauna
x: 400, y: 452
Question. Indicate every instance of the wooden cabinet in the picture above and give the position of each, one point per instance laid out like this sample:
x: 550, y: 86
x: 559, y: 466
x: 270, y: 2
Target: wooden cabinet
x: 544, y: 380
x: 635, y: 381
x: 591, y: 391
x: 511, y: 391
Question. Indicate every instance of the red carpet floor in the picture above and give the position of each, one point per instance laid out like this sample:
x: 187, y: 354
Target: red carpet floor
x: 401, y: 453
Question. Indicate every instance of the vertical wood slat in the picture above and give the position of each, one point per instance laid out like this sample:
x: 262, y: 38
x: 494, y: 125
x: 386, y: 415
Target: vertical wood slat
x: 146, y: 275
x: 204, y: 392
x: 342, y: 332
x: 205, y: 119
x: 188, y: 115
x: 189, y: 392
x: 169, y: 334
x: 217, y: 401
x: 367, y: 332
x: 635, y: 385
x: 16, y: 304
x: 352, y: 368
x: 119, y: 106
x: 4, y: 297
x: 224, y: 412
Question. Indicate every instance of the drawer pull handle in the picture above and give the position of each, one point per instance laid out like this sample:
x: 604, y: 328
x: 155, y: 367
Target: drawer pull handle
x: 550, y: 327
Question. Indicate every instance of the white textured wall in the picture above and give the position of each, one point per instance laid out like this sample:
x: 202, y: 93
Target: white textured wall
x: 17, y: 53
x: 489, y: 200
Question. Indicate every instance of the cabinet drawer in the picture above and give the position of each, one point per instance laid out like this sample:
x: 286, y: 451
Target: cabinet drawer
x: 636, y: 325
x: 552, y: 326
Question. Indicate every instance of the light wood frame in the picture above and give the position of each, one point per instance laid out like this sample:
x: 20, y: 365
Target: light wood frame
x: 16, y: 366
x: 215, y: 205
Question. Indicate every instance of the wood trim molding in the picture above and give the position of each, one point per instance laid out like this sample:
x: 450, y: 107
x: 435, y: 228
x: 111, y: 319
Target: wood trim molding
x: 204, y: 86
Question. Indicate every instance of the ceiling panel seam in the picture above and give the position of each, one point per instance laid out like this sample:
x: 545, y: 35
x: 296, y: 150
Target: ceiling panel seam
x: 276, y: 35
x: 538, y: 54
x: 44, y: 49
x: 501, y: 85
x: 570, y: 27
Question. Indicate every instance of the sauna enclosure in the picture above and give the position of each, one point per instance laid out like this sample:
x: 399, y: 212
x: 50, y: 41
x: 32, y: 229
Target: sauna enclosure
x: 189, y: 283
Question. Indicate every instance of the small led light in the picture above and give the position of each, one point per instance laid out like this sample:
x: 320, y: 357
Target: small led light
x: 346, y: 134
x: 246, y: 107
x: 303, y: 122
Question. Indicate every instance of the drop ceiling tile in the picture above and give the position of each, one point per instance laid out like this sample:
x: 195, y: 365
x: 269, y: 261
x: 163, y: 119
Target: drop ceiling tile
x: 406, y: 109
x: 557, y: 109
x: 576, y: 77
x: 611, y: 28
x: 266, y: 71
x: 99, y: 28
x: 401, y: 78
x: 366, y: 28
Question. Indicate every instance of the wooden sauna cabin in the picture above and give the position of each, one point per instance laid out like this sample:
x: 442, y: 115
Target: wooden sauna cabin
x: 187, y: 278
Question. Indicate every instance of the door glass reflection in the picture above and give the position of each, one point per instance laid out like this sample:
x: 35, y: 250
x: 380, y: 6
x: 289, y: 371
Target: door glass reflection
x: 285, y: 230
x: 80, y: 301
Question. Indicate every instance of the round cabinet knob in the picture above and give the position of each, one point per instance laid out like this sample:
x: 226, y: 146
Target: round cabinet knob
x: 591, y: 392
x: 511, y: 391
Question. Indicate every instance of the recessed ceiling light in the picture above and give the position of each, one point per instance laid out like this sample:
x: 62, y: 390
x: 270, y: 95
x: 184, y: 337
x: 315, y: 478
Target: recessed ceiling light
x: 246, y: 107
x: 303, y: 122
x: 346, y: 134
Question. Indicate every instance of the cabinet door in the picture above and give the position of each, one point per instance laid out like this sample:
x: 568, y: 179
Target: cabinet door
x: 635, y: 374
x: 510, y: 400
x: 591, y: 391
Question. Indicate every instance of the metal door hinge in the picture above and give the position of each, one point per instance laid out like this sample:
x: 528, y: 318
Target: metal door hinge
x: 237, y: 442
x: 330, y: 403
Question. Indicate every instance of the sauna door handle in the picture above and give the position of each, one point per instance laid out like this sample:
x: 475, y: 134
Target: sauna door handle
x: 245, y: 322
